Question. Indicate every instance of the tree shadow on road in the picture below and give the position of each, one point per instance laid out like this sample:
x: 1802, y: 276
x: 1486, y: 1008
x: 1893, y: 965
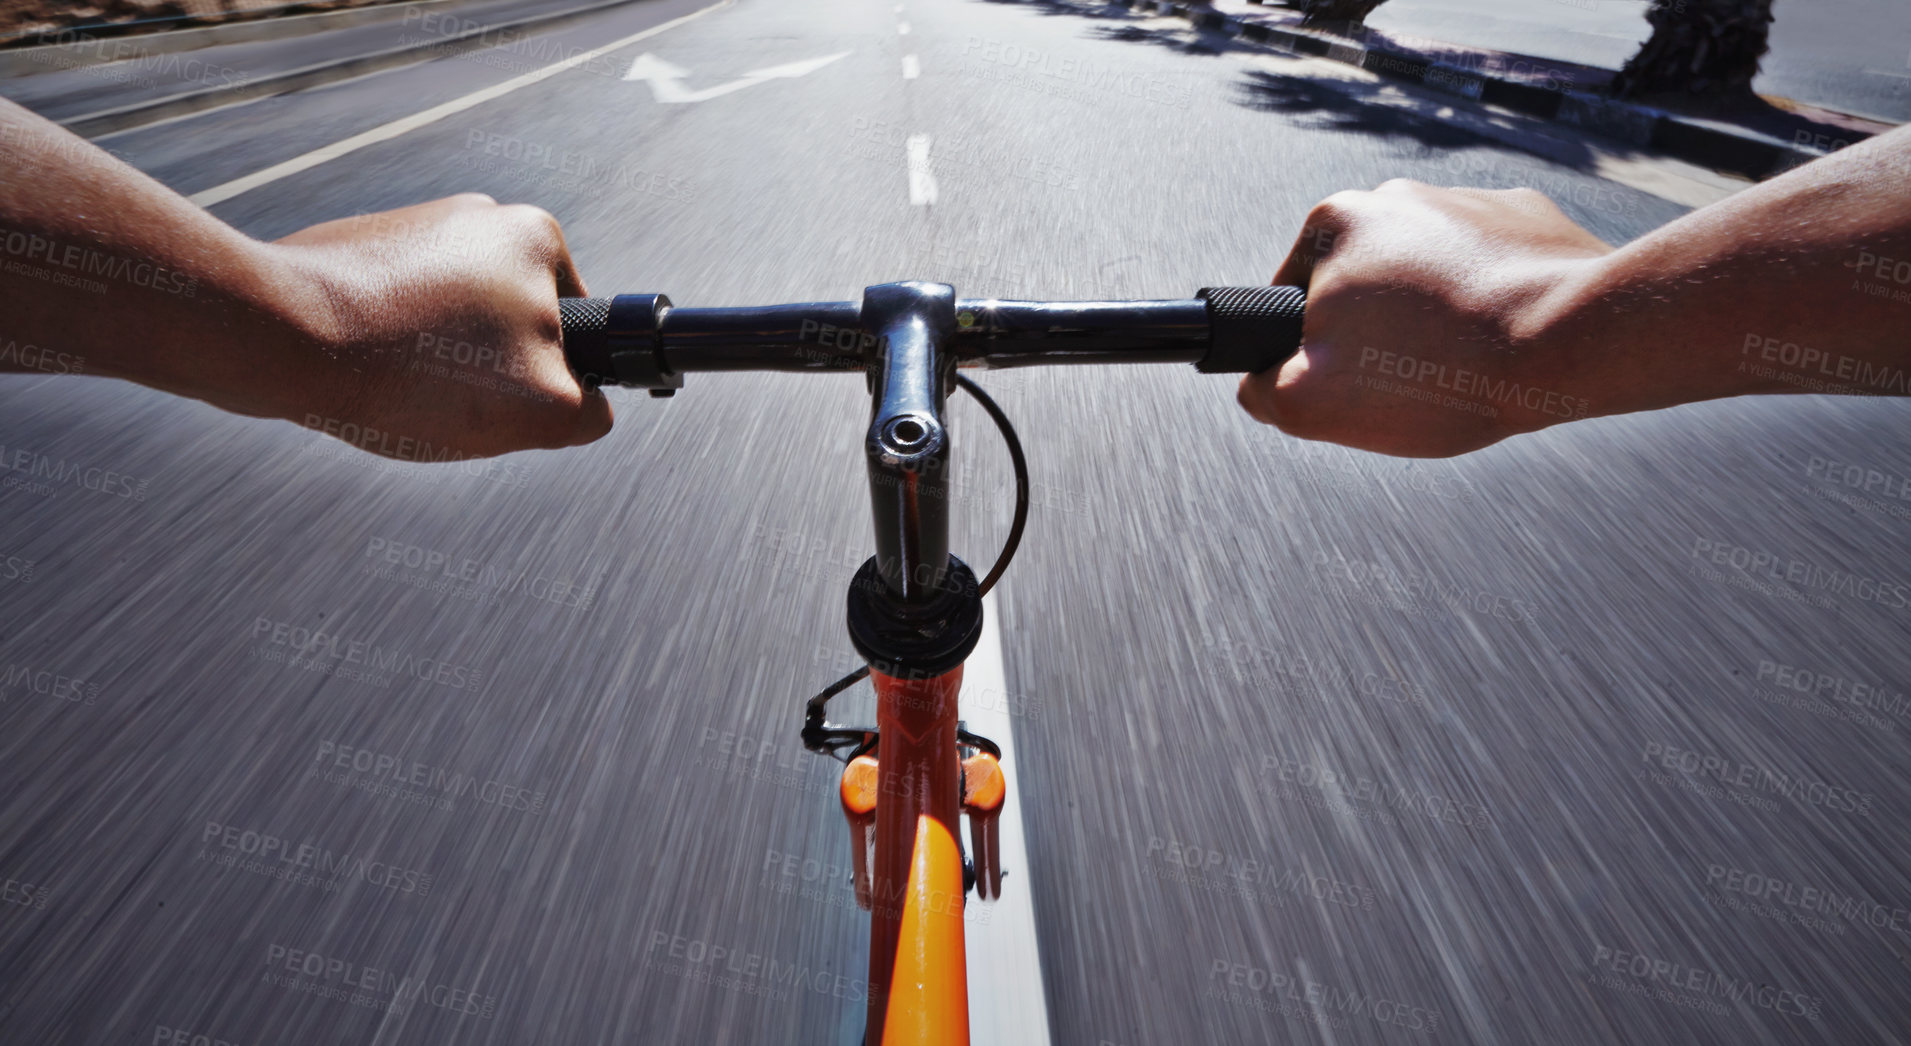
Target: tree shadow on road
x: 1356, y: 107
x: 1204, y: 44
x: 1193, y: 41
x: 1079, y: 10
x: 1207, y: 43
x: 1336, y: 108
x: 1381, y: 108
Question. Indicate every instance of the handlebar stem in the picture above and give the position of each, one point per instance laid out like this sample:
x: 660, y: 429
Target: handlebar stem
x: 911, y: 370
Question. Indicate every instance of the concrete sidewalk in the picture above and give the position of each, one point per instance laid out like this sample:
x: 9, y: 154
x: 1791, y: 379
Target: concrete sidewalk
x: 1577, y: 58
x: 1852, y: 56
x: 1754, y: 140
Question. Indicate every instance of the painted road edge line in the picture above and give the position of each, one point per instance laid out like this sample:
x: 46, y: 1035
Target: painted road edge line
x: 406, y: 124
x: 1007, y: 1006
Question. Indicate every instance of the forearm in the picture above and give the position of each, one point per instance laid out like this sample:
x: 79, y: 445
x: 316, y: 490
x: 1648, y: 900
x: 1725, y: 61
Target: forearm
x: 1800, y: 284
x: 123, y: 276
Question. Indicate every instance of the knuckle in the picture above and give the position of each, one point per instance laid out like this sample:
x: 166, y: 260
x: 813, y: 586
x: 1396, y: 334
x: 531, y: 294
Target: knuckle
x: 1302, y: 424
x: 1337, y: 206
x: 475, y: 199
x: 1270, y: 403
x: 548, y: 323
x: 1249, y: 397
x: 559, y: 425
x: 535, y: 218
x: 554, y: 429
x: 1335, y: 213
x: 544, y: 411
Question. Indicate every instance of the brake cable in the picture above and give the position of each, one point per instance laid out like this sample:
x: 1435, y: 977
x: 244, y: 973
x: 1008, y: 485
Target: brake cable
x: 819, y: 736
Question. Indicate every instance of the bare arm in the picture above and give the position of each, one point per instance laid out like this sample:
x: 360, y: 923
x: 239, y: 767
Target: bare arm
x: 1441, y: 321
x: 433, y: 327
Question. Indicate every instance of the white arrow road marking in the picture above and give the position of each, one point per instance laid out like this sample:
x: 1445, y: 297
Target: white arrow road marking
x: 910, y: 67
x: 922, y: 184
x: 387, y: 131
x: 666, y: 80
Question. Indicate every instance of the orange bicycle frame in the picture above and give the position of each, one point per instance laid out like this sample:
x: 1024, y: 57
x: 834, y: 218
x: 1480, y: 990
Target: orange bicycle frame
x: 918, y: 968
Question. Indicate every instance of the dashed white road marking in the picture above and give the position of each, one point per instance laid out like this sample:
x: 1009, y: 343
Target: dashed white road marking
x: 402, y: 125
x: 922, y: 183
x: 910, y: 67
x: 1006, y: 1004
x: 902, y: 28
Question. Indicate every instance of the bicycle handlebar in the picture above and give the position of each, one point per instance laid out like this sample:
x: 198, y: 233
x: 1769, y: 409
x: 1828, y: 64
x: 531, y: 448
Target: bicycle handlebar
x: 907, y: 339
x: 642, y: 340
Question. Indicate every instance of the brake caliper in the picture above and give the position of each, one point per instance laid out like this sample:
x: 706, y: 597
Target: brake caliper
x: 983, y: 789
x: 858, y: 792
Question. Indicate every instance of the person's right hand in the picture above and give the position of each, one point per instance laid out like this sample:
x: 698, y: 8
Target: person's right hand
x: 1427, y: 319
x: 447, y: 335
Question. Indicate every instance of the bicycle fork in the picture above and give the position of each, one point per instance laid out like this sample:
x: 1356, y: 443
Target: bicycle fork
x: 918, y: 893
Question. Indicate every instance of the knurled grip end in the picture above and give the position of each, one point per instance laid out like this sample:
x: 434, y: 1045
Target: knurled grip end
x: 587, y: 339
x: 1251, y: 329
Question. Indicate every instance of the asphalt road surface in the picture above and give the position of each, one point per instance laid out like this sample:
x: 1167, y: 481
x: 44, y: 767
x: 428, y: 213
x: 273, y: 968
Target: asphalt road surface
x: 1315, y: 746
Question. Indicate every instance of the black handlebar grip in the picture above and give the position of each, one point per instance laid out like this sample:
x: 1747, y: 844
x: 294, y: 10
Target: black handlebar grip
x: 1251, y: 329
x: 616, y: 341
x: 587, y: 339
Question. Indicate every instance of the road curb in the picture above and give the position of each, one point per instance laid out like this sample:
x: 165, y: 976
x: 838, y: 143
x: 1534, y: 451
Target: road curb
x: 126, y: 117
x: 1720, y: 146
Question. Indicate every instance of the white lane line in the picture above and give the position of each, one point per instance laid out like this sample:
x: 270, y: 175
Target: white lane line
x: 922, y: 183
x: 902, y: 28
x: 1006, y: 1004
x: 403, y: 125
x: 910, y: 67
